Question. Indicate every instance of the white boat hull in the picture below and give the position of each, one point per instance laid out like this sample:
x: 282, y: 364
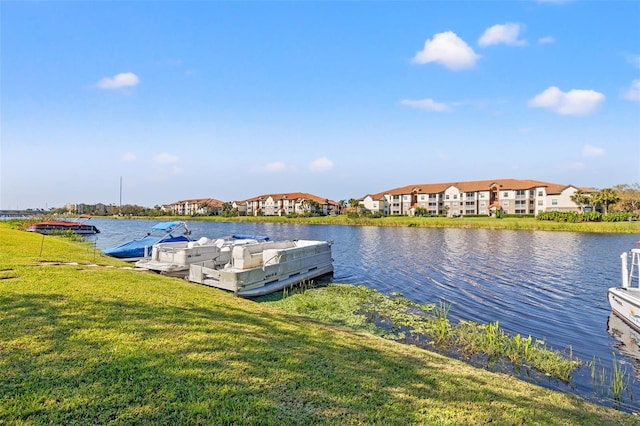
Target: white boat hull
x: 625, y: 303
x: 264, y: 268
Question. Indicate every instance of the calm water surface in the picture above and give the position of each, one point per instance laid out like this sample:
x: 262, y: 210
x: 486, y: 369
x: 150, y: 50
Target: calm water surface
x: 549, y: 285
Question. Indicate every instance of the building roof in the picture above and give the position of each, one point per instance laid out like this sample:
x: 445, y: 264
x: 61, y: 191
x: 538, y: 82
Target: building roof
x: 476, y: 185
x: 297, y: 196
x: 204, y: 201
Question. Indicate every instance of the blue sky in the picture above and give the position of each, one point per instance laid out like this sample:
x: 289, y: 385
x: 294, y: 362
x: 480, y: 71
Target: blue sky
x: 231, y: 100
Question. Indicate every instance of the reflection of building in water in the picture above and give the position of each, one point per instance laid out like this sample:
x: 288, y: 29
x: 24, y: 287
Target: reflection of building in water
x: 628, y: 340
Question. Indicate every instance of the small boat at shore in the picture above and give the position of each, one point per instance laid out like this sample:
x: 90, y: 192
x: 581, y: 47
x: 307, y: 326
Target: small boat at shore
x: 174, y: 258
x: 263, y: 268
x: 625, y: 300
x: 140, y: 248
x: 53, y: 227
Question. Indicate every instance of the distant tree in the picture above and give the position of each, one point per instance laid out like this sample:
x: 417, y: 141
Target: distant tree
x: 421, y: 211
x: 606, y: 197
x: 228, y: 210
x: 629, y: 197
x: 581, y: 199
x: 355, y: 203
x: 310, y: 207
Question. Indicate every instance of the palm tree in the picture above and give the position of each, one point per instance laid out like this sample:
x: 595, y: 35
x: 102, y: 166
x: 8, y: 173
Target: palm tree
x: 606, y: 197
x: 581, y: 199
x: 354, y: 202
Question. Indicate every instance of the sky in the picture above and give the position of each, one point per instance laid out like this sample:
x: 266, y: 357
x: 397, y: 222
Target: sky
x: 340, y: 99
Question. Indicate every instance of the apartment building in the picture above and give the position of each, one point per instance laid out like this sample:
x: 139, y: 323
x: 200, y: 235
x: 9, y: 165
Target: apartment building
x: 286, y: 203
x: 202, y: 206
x: 510, y: 196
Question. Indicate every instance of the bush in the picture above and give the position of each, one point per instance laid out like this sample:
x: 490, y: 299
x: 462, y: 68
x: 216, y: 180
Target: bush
x: 574, y: 217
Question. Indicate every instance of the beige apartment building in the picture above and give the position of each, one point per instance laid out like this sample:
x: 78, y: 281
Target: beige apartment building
x: 286, y: 203
x: 202, y: 206
x: 510, y: 196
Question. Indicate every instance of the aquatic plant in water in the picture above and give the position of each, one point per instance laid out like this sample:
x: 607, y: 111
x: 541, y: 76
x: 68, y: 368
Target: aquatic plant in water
x: 398, y: 318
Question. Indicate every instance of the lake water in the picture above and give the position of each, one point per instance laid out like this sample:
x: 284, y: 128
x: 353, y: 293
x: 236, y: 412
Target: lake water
x: 549, y: 285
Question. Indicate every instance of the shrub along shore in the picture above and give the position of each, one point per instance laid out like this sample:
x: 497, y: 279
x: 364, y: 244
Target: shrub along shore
x: 86, y: 340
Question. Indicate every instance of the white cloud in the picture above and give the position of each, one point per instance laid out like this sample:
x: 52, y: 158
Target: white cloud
x: 449, y: 50
x: 592, y: 151
x: 573, y: 102
x: 502, y: 34
x: 126, y: 79
x: 165, y: 158
x: 633, y: 93
x: 428, y: 104
x: 274, y: 167
x: 321, y: 164
x: 129, y: 157
x: 546, y: 40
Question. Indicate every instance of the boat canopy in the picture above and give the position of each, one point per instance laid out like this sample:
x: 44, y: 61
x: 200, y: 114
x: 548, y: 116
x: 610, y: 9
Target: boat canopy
x: 166, y: 226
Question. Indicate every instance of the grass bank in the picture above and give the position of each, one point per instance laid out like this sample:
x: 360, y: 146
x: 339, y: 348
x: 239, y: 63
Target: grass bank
x: 84, y: 341
x: 508, y: 223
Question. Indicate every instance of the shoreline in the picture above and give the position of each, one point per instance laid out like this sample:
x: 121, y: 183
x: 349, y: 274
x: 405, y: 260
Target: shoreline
x: 505, y: 223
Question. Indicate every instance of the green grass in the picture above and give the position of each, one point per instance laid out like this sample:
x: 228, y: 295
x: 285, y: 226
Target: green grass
x: 83, y: 344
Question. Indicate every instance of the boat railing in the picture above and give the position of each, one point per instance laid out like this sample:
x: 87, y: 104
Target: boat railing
x: 634, y: 272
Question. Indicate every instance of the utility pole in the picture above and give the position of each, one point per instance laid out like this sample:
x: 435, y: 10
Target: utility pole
x: 120, y: 208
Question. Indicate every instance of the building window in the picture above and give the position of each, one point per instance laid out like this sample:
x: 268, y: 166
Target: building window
x: 482, y: 204
x: 540, y: 202
x: 482, y: 195
x: 554, y: 202
x: 446, y: 197
x: 539, y: 193
x: 505, y: 203
x: 505, y: 194
x: 455, y: 204
x: 455, y: 196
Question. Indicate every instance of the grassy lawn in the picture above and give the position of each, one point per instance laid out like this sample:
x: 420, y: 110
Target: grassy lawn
x: 94, y: 343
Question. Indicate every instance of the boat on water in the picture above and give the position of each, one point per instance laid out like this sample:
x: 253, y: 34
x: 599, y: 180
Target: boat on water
x: 52, y: 227
x: 174, y: 258
x: 625, y: 300
x: 263, y: 268
x: 140, y: 248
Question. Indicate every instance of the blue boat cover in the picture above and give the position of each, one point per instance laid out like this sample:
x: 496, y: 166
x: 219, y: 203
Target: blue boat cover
x: 165, y: 226
x: 135, y: 248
